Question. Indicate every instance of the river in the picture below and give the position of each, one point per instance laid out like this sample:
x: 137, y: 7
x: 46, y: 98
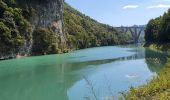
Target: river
x: 101, y: 73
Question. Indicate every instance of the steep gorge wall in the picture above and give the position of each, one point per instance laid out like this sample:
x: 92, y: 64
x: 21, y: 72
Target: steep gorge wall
x: 47, y: 14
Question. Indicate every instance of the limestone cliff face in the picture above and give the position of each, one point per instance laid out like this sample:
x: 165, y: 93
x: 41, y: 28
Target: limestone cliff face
x: 48, y: 13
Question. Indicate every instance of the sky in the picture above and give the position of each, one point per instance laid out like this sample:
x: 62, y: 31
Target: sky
x: 121, y: 12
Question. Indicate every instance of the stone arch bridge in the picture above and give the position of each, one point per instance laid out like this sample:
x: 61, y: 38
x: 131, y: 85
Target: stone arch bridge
x: 135, y: 31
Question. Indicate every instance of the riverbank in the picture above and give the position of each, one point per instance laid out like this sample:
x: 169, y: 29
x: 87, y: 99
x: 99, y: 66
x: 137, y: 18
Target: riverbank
x: 158, y: 47
x: 159, y: 87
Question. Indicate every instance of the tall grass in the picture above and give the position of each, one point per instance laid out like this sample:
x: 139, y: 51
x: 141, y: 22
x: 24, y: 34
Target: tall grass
x: 157, y: 89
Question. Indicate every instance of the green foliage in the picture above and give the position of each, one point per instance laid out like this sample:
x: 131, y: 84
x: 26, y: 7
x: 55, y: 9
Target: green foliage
x: 156, y: 89
x: 81, y: 31
x: 158, y: 30
x: 165, y: 27
x: 152, y: 32
x: 28, y: 11
x: 10, y: 2
x: 45, y: 42
x: 84, y: 32
x: 14, y: 29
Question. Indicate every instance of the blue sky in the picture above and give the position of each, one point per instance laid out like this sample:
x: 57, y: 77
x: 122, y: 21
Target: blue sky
x: 121, y: 12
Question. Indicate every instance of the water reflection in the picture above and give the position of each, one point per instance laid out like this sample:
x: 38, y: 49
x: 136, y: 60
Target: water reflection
x: 136, y: 53
x: 61, y: 77
x: 155, y: 60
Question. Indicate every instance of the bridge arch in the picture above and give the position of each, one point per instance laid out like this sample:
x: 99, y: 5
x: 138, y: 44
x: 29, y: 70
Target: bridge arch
x: 134, y: 30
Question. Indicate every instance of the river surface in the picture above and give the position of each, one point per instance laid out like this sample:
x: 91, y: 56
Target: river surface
x: 89, y: 74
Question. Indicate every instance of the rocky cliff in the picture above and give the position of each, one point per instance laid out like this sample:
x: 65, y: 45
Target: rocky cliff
x: 47, y: 13
x: 47, y: 17
x: 35, y: 27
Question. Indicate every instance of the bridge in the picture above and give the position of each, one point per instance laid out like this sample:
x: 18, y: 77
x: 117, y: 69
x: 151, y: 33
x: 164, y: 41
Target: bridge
x: 135, y: 31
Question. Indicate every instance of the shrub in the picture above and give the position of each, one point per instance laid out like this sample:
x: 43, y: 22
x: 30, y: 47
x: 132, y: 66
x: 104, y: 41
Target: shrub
x: 45, y: 41
x: 15, y: 30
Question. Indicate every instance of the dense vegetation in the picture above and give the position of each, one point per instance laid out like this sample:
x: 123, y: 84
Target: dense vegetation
x: 158, y: 29
x: 44, y: 41
x: 16, y: 33
x: 157, y: 89
x: 15, y: 30
x: 84, y: 32
x: 157, y: 37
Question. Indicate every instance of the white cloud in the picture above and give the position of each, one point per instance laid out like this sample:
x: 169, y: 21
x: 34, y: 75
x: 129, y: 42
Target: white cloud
x: 130, y: 6
x: 159, y: 6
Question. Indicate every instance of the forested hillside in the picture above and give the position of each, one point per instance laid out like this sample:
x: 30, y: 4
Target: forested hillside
x: 157, y: 35
x: 15, y: 30
x: 83, y: 32
x: 28, y: 29
x: 158, y: 29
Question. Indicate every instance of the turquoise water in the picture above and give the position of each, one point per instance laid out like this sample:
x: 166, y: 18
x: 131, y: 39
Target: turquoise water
x: 100, y: 73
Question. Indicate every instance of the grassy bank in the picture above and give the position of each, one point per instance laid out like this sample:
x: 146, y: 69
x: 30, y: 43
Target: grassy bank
x: 156, y: 89
x: 158, y: 47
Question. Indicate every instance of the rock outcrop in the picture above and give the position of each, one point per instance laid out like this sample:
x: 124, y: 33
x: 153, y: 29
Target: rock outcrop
x: 47, y: 14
